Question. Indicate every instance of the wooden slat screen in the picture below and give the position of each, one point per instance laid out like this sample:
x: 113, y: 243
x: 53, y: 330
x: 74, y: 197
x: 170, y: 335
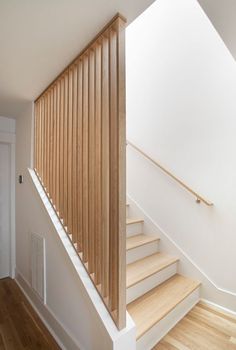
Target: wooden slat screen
x: 80, y: 159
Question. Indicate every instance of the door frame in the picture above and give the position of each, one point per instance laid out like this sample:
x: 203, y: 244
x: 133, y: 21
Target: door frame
x: 10, y: 139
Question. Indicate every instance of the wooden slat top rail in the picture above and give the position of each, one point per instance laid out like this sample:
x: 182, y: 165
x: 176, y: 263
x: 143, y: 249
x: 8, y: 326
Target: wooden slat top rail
x: 199, y: 198
x: 118, y: 15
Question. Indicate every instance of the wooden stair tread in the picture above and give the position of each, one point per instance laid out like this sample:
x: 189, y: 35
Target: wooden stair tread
x: 139, y: 240
x: 153, y: 306
x: 133, y: 221
x: 146, y: 267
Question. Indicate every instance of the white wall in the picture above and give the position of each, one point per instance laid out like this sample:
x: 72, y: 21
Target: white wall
x: 68, y: 306
x: 7, y: 136
x: 181, y: 108
x: 7, y: 125
x: 223, y: 16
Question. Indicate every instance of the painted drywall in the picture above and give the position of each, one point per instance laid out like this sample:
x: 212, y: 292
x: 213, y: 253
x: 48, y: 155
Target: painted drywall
x: 222, y: 14
x: 7, y: 125
x: 68, y: 305
x: 7, y: 136
x: 181, y: 93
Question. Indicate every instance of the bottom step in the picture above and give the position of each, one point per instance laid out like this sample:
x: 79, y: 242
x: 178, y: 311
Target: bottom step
x: 157, y: 311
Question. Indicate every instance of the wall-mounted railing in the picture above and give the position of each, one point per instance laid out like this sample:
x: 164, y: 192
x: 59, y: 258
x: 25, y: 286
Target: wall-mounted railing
x: 79, y: 158
x: 198, y: 197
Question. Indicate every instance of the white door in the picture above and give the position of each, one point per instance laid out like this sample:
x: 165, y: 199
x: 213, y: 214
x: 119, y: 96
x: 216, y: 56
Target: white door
x: 4, y: 210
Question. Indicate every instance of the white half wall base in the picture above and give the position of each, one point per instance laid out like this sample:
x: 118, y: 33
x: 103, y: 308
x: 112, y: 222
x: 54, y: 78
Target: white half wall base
x: 57, y: 330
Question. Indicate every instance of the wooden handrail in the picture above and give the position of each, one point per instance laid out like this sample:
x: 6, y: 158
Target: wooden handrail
x: 198, y: 197
x: 79, y: 157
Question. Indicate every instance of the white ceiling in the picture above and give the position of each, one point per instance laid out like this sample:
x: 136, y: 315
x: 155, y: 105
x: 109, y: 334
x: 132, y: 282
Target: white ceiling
x: 38, y: 38
x: 222, y: 14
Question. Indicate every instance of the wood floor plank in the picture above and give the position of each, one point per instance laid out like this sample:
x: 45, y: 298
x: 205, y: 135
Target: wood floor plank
x: 232, y: 340
x: 217, y: 322
x: 167, y: 346
x: 20, y: 327
x: 2, y: 346
x: 203, y: 328
x: 216, y: 311
x: 176, y: 344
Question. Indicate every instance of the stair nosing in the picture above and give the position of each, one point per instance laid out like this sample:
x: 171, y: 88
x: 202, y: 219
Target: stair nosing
x: 142, y: 244
x: 134, y: 221
x: 198, y: 284
x: 175, y: 260
x: 171, y: 309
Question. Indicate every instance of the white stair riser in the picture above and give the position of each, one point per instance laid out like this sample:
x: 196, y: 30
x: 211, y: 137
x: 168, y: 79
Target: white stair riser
x: 141, y: 252
x: 158, y: 331
x: 149, y: 283
x: 134, y: 229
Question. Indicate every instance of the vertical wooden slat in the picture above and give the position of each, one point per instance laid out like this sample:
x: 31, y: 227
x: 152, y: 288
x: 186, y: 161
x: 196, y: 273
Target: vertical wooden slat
x: 48, y: 166
x: 121, y: 264
x: 58, y: 155
x: 114, y: 173
x: 38, y: 146
x: 69, y: 150
x: 49, y: 159
x: 98, y: 161
x: 85, y: 159
x: 65, y: 160
x: 54, y: 151
x: 105, y: 168
x: 35, y: 135
x: 79, y: 155
x: 62, y: 131
x: 74, y: 156
x: 51, y: 193
x: 46, y: 160
x: 42, y: 139
x: 37, y: 140
x: 91, y: 159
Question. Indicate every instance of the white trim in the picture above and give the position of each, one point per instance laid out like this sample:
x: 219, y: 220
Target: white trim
x: 32, y: 138
x: 221, y: 308
x: 61, y: 335
x: 10, y: 139
x: 13, y: 209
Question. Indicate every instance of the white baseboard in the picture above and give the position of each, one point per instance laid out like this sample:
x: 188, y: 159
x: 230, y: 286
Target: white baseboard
x: 57, y: 330
x: 221, y: 308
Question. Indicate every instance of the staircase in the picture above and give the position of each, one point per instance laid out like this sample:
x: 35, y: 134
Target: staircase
x: 157, y: 296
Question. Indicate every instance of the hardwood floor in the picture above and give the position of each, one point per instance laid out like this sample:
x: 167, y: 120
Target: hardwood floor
x: 203, y: 328
x: 20, y: 327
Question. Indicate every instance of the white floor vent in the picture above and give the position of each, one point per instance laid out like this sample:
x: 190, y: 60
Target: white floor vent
x: 38, y: 265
